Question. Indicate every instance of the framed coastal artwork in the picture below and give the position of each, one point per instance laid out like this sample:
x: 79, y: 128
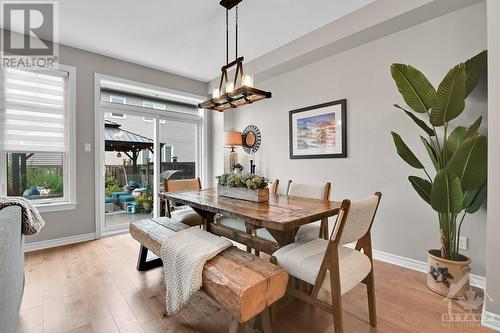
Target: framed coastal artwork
x: 319, y: 131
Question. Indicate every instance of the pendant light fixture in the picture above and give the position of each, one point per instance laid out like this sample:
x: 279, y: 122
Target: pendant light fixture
x: 239, y: 91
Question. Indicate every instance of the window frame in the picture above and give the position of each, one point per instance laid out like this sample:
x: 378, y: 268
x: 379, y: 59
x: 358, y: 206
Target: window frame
x: 152, y: 120
x: 123, y: 98
x: 164, y: 150
x: 115, y: 115
x: 68, y: 200
x: 154, y: 107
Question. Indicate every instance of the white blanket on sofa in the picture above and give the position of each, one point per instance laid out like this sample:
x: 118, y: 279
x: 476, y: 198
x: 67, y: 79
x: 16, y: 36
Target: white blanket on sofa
x: 32, y: 222
x: 184, y: 255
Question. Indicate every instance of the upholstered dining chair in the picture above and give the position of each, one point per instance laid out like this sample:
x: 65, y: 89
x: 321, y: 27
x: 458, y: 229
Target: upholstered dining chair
x: 310, y: 230
x: 332, y: 268
x: 186, y: 214
x: 239, y: 223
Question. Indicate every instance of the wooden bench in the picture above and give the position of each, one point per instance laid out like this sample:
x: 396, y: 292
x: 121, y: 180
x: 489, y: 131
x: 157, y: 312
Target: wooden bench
x: 242, y: 284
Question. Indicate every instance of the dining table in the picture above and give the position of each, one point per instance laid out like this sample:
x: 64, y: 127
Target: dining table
x: 282, y: 215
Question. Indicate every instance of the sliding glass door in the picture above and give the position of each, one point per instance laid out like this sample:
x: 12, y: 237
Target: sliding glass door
x: 129, y: 160
x: 141, y: 147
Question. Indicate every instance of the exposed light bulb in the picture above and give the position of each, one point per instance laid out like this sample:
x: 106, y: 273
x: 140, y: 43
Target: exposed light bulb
x: 215, y: 93
x: 229, y: 87
x: 248, y: 80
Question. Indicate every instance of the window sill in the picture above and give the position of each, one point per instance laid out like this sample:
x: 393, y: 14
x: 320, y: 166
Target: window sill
x: 55, y: 207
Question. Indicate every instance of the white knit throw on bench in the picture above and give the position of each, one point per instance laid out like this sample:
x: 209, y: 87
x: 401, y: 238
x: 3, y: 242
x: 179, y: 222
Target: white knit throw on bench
x: 184, y: 255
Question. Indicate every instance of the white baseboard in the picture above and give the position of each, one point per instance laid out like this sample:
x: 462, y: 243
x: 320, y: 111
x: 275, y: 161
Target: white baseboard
x: 417, y: 265
x: 58, y: 242
x: 478, y: 281
x: 490, y: 320
x: 115, y: 232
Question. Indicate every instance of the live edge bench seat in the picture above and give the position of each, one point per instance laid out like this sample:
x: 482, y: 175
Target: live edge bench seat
x: 241, y: 283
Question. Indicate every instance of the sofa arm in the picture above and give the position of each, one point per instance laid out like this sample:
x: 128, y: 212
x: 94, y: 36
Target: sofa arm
x: 12, y: 263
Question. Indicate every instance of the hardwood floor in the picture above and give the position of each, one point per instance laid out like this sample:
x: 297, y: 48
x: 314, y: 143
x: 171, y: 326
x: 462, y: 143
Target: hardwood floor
x: 94, y: 287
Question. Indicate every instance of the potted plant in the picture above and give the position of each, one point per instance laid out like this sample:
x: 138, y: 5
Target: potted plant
x: 459, y: 157
x: 243, y: 186
x: 147, y: 203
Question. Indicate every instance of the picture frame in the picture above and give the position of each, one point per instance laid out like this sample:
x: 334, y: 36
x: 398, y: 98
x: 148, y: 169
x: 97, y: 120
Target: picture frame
x: 319, y: 131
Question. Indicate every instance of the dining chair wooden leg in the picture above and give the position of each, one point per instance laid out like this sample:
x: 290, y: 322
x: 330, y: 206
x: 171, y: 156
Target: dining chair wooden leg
x: 336, y: 299
x: 337, y: 315
x: 370, y: 288
x: 366, y: 244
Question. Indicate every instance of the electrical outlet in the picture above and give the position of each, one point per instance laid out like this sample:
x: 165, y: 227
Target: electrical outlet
x: 462, y: 243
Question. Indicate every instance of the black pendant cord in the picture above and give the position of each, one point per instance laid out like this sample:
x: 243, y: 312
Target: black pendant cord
x: 227, y: 36
x: 236, y: 32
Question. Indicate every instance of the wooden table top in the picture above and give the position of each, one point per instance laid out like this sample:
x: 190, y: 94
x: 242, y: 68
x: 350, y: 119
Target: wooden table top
x: 282, y: 212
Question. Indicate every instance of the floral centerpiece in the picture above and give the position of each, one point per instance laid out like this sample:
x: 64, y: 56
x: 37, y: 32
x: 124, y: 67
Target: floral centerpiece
x: 243, y: 186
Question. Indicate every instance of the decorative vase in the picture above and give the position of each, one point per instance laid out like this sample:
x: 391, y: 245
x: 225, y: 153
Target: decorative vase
x: 259, y: 195
x: 449, y: 278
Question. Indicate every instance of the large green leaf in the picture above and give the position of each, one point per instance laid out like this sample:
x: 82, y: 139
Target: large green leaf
x: 416, y: 90
x: 455, y: 139
x: 422, y: 186
x: 446, y: 194
x: 474, y: 69
x: 432, y: 152
x: 468, y: 198
x: 469, y: 162
x: 450, y: 97
x: 420, y: 123
x: 405, y: 152
x: 477, y: 200
x: 472, y: 130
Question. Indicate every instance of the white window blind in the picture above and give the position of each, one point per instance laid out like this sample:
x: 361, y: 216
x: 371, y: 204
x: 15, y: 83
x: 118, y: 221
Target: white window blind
x: 33, y: 111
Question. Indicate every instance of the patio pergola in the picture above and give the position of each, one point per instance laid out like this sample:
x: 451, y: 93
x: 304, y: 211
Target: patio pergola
x: 129, y: 143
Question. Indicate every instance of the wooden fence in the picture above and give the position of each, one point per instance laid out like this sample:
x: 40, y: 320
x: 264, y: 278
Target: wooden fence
x: 187, y: 170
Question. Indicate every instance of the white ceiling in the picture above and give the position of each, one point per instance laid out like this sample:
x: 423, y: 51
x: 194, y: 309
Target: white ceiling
x: 188, y: 37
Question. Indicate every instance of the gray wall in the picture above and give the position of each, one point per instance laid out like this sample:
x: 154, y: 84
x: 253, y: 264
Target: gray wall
x: 406, y: 225
x: 493, y: 249
x: 81, y: 220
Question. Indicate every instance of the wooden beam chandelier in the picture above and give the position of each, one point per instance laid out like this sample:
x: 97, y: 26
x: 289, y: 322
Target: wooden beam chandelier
x: 239, y: 91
